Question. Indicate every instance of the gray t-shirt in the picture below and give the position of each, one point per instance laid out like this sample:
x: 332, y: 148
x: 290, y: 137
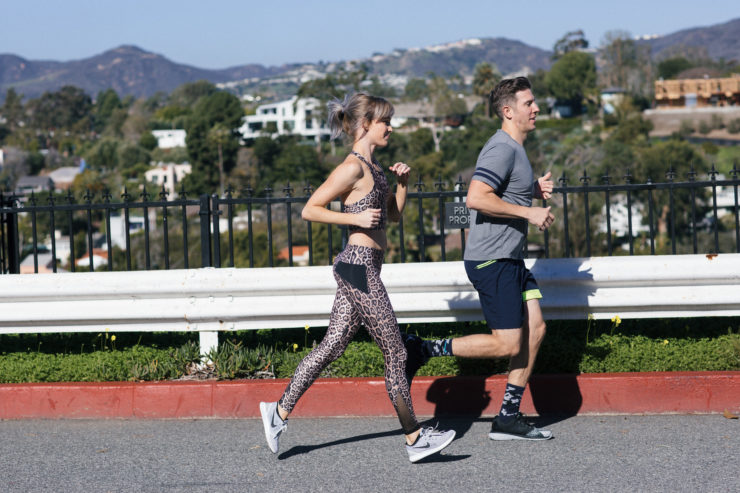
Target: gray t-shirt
x: 504, y: 166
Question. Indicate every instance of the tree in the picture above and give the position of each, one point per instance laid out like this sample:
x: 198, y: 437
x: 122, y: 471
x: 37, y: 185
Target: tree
x: 572, y: 78
x: 219, y: 135
x: 416, y: 89
x: 324, y: 89
x: 220, y: 108
x: 377, y: 88
x: 572, y: 41
x: 669, y: 68
x: 133, y: 159
x: 485, y: 78
x: 148, y: 141
x: 69, y: 108
x: 189, y: 93
x: 104, y: 154
x: 626, y: 64
x: 682, y: 159
x: 12, y: 109
x: 105, y: 104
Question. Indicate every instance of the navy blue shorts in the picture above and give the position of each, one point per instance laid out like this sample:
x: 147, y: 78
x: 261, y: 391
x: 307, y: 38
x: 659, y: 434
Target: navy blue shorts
x: 504, y: 286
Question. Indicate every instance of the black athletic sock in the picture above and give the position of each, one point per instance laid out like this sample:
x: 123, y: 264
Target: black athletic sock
x: 439, y: 347
x: 511, y: 402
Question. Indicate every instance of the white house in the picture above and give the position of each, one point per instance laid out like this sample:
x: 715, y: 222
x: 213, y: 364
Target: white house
x: 611, y: 98
x: 167, y: 139
x: 118, y: 227
x: 169, y: 175
x: 294, y: 116
x: 619, y: 217
x: 64, y: 177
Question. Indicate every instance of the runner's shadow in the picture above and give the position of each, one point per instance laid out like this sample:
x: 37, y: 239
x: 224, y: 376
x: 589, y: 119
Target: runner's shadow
x: 462, y: 398
x: 567, y: 286
x: 305, y: 449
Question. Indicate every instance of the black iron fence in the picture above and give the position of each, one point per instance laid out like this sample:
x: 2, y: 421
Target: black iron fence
x: 594, y: 216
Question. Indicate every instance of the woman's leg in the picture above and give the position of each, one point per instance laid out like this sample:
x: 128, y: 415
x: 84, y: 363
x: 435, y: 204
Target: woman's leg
x: 380, y: 321
x: 343, y: 325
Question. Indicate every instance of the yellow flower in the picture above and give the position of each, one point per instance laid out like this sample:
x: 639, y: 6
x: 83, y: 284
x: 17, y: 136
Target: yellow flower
x: 616, y: 320
x: 295, y: 347
x: 665, y: 341
x: 113, y: 337
x: 307, y: 327
x: 590, y: 316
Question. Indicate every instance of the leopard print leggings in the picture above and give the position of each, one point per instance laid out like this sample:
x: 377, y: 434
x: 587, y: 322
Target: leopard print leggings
x: 361, y: 299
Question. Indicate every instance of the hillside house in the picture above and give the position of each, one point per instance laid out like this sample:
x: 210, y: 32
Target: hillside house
x: 168, y: 139
x: 168, y: 175
x: 64, y: 177
x: 33, y: 184
x: 698, y: 93
x: 302, y: 117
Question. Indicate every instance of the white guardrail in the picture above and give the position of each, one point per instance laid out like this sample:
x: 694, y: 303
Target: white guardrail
x: 211, y: 300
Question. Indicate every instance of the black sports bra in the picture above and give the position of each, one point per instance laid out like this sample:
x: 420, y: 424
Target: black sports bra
x: 377, y: 198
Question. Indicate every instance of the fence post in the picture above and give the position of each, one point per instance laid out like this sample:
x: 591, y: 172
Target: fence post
x: 14, y: 252
x: 216, y: 231
x: 205, y: 230
x: 11, y: 246
x: 208, y: 340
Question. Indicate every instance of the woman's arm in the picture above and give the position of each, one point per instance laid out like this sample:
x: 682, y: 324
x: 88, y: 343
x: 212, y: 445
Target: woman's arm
x: 397, y: 201
x: 340, y: 182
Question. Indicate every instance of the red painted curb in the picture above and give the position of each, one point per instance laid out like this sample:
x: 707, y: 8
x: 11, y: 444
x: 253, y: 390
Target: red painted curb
x: 611, y: 393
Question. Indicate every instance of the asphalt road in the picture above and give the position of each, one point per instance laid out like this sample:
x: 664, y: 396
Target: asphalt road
x: 588, y: 454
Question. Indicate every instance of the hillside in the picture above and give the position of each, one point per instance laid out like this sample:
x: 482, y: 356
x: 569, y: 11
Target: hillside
x: 129, y: 70
x: 461, y: 57
x: 719, y: 41
x: 126, y: 69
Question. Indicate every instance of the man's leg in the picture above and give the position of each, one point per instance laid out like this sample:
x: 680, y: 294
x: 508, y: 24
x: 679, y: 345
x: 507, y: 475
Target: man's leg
x: 509, y: 424
x: 503, y: 343
x: 533, y: 332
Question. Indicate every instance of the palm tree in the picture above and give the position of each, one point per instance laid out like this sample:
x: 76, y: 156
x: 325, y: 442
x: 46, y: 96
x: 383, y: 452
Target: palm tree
x: 486, y: 76
x: 220, y: 135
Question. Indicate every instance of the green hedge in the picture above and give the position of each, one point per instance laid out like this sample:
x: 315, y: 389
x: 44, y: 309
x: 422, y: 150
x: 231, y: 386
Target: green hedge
x: 711, y: 344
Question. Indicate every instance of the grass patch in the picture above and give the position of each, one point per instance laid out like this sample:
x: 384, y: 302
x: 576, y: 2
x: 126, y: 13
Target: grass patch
x: 587, y: 346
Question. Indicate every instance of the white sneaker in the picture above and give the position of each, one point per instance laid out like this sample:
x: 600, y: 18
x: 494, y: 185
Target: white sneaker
x: 273, y: 424
x: 430, y: 441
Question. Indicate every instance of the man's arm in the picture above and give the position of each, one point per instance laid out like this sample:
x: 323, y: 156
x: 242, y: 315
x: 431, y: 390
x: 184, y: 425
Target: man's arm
x: 482, y: 198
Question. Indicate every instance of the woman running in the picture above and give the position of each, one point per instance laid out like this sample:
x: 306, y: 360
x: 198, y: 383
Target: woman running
x: 361, y: 297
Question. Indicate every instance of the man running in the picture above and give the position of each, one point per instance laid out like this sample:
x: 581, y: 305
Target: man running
x: 500, y: 200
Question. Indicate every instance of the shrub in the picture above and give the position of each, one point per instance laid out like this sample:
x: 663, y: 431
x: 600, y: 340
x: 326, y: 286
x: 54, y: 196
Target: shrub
x: 580, y: 346
x: 734, y: 126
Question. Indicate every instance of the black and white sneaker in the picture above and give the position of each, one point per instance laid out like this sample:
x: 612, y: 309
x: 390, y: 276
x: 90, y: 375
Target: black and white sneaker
x: 416, y: 356
x: 517, y: 429
x: 430, y: 441
x: 273, y: 424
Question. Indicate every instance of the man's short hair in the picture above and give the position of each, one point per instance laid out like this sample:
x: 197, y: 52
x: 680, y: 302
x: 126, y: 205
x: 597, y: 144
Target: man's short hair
x: 504, y: 94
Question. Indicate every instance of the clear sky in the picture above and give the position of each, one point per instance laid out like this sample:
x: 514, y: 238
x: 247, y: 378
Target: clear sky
x: 224, y: 33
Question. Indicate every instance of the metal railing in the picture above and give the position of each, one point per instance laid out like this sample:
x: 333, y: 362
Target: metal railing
x: 246, y: 229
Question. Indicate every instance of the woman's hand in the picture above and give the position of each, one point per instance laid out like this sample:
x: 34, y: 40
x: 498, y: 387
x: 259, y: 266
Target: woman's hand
x: 367, y: 219
x: 402, y: 172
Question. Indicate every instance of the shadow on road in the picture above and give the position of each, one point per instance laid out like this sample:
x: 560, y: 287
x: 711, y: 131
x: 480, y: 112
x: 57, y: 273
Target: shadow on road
x: 305, y: 449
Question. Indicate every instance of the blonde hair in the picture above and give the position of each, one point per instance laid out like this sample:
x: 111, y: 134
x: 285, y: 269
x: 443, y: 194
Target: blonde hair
x: 349, y: 115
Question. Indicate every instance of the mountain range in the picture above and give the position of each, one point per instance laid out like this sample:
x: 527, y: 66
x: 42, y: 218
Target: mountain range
x: 130, y: 70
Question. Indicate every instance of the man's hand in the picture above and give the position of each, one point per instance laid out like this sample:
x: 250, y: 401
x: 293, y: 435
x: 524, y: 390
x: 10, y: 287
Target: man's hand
x: 543, y: 189
x: 541, y: 217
